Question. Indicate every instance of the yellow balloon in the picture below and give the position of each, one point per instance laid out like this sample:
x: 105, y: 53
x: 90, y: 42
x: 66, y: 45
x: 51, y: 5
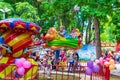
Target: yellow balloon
x: 112, y: 62
x: 106, y: 64
x: 112, y: 67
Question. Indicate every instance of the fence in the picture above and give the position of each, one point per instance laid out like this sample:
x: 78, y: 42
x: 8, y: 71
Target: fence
x: 59, y: 73
x: 69, y: 73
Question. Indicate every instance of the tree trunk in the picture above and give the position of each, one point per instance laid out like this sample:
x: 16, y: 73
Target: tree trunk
x: 97, y: 37
x: 88, y: 32
x: 86, y: 36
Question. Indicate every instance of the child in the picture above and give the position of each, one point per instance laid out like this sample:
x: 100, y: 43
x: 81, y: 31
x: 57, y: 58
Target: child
x: 62, y: 53
x: 72, y: 34
x: 71, y: 60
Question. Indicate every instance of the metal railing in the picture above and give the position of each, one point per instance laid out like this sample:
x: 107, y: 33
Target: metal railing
x: 59, y: 73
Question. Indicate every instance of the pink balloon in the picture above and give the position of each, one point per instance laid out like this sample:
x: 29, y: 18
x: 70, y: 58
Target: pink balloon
x: 23, y: 59
x: 97, y: 61
x: 107, y: 59
x: 26, y: 64
x: 21, y: 71
x: 19, y: 63
x: 101, y: 63
x: 101, y: 59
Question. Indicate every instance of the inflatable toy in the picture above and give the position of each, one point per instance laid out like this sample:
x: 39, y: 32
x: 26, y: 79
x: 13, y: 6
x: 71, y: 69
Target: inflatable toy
x: 16, y: 36
x: 54, y: 41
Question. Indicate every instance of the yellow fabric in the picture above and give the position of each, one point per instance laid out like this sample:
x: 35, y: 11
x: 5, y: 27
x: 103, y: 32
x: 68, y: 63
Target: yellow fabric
x: 17, y: 54
x: 8, y: 69
x: 4, y: 60
x: 17, y: 39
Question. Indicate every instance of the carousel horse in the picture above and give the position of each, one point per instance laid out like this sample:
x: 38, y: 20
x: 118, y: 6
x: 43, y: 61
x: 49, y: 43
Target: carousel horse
x: 54, y: 41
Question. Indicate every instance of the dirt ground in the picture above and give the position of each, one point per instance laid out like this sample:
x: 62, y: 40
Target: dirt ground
x: 114, y: 77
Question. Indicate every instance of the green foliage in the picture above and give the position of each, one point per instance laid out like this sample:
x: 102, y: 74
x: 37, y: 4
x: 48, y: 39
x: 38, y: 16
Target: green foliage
x: 27, y: 11
x: 53, y: 13
x: 4, y: 5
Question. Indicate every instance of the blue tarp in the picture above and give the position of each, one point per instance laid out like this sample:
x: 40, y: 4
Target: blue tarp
x: 87, y: 52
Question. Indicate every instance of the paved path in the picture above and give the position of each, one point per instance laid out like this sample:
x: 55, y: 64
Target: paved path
x: 117, y: 70
x: 82, y: 75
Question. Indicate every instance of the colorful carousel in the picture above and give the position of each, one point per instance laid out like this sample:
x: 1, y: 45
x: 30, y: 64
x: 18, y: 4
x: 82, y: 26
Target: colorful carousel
x: 15, y: 37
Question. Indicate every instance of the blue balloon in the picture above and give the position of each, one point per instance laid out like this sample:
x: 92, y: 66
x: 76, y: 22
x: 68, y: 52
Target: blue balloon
x: 1, y: 40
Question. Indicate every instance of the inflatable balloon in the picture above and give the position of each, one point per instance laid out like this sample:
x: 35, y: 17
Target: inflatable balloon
x: 90, y: 64
x: 112, y: 67
x: 21, y: 71
x: 26, y: 64
x: 23, y: 59
x: 112, y: 62
x: 101, y: 59
x: 88, y: 71
x: 106, y: 64
x: 96, y: 68
x: 97, y: 61
x: 107, y: 59
x: 19, y: 62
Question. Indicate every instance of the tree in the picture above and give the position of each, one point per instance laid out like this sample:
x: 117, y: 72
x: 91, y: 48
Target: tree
x: 27, y: 11
x: 3, y: 6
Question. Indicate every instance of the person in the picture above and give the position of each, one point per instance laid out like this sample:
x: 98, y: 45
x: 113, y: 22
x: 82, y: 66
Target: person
x: 37, y: 56
x: 33, y: 38
x: 43, y: 40
x: 36, y: 41
x: 75, y: 56
x: 62, y: 32
x: 62, y: 53
x: 72, y: 34
x: 71, y: 61
x: 77, y: 33
x: 50, y: 62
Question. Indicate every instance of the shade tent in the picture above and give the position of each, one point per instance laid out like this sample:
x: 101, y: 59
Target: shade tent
x: 87, y: 52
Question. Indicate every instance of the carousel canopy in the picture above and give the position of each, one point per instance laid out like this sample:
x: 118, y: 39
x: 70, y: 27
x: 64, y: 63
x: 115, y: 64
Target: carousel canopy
x: 18, y: 25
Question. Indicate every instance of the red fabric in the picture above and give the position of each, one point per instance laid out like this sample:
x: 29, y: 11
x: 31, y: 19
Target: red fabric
x: 107, y: 73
